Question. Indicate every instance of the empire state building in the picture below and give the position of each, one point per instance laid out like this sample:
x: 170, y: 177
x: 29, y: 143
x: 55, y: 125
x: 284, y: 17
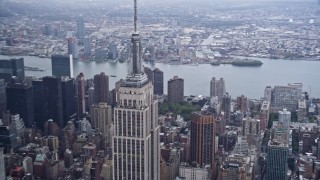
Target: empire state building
x: 136, y: 147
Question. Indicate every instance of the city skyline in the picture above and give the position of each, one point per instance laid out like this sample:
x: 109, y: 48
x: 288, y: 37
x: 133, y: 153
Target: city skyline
x: 159, y: 90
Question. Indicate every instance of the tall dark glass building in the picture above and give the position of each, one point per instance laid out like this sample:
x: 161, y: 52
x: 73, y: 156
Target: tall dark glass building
x: 81, y: 94
x: 101, y: 88
x: 149, y: 73
x: 11, y: 67
x: 38, y: 100
x: 3, y: 97
x: 68, y: 99
x: 20, y: 100
x: 52, y: 105
x: 157, y: 81
x: 54, y: 98
x: 62, y: 65
x: 277, y: 166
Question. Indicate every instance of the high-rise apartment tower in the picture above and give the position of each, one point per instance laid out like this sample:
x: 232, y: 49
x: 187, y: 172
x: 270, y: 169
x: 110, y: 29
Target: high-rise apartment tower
x: 175, y: 90
x: 101, y: 88
x: 202, y: 138
x: 217, y: 87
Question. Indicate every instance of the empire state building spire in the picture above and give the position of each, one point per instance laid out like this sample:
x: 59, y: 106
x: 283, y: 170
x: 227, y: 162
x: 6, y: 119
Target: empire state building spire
x: 136, y: 76
x: 136, y: 67
x: 135, y: 15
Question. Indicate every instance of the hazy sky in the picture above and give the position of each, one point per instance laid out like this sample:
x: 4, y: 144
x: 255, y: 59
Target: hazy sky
x: 176, y: 1
x: 169, y: 1
x: 172, y: 2
x: 222, y: 2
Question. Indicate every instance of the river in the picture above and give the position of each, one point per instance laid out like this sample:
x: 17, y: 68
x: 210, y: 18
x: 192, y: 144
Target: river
x: 249, y: 81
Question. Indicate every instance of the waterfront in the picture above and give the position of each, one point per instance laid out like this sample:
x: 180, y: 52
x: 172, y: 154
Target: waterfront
x: 249, y: 81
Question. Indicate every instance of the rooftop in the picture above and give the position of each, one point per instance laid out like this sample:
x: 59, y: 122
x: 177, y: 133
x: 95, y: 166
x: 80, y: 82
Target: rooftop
x: 274, y: 143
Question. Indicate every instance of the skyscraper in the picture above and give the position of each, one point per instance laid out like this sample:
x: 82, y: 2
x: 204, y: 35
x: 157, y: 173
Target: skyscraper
x: 287, y: 96
x: 175, y: 90
x: 68, y: 99
x: 87, y: 46
x: 73, y: 47
x: 158, y: 81
x: 220, y: 125
x: 264, y: 115
x: 10, y: 68
x: 242, y: 103
x: 285, y: 118
x: 101, y: 88
x: 3, y: 97
x: 70, y: 45
x: 302, y: 110
x: 52, y: 101
x: 149, y: 73
x: 38, y: 100
x: 48, y: 29
x: 102, y: 120
x: 90, y: 97
x: 268, y: 93
x: 250, y: 126
x: 217, y: 87
x: 277, y: 165
x: 136, y: 148
x: 202, y: 138
x: 80, y: 93
x: 20, y: 100
x: 278, y: 148
x: 62, y: 65
x: 113, y: 51
x: 226, y: 106
x: 80, y: 27
x: 53, y: 98
x: 17, y: 124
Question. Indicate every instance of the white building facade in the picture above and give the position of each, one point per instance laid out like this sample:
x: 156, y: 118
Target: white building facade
x: 194, y: 173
